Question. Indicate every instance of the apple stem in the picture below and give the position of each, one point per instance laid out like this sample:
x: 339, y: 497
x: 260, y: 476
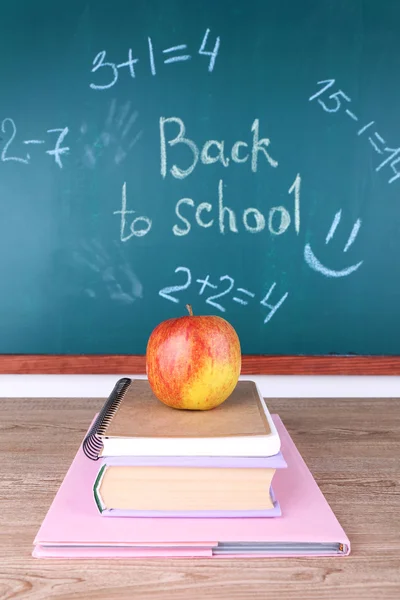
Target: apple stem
x: 190, y: 310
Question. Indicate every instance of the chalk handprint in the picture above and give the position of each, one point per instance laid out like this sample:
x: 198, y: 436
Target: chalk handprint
x: 115, y: 277
x: 316, y: 265
x: 117, y: 137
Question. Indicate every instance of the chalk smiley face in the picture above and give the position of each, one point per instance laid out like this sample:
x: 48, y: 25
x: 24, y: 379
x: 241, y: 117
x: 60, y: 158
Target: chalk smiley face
x: 315, y: 264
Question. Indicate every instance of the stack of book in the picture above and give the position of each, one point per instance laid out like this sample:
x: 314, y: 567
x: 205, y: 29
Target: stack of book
x: 149, y: 480
x: 159, y: 461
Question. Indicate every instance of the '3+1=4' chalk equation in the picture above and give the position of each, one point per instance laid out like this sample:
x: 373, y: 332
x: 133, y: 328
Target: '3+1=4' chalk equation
x: 171, y: 55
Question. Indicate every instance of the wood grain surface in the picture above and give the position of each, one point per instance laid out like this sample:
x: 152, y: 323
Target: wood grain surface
x: 351, y: 446
x: 251, y: 364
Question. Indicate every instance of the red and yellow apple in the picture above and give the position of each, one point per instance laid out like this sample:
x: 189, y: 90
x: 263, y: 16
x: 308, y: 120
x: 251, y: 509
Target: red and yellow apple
x: 193, y: 362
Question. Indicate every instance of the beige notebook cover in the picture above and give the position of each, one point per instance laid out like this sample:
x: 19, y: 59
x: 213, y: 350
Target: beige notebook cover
x: 133, y: 422
x: 141, y: 414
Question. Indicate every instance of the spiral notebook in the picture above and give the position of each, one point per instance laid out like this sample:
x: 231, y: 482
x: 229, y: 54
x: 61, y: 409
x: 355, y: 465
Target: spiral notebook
x: 133, y: 422
x: 74, y: 528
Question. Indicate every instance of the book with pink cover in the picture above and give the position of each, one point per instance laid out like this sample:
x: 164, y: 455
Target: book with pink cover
x: 74, y: 528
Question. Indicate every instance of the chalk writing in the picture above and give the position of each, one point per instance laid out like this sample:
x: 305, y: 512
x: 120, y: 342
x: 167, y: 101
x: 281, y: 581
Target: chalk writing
x: 273, y: 307
x: 176, y: 58
x: 117, y: 138
x: 228, y: 288
x: 107, y: 73
x: 240, y: 300
x: 334, y: 103
x: 220, y: 216
x: 212, y: 151
x: 9, y: 127
x: 138, y: 227
x: 225, y: 219
x: 4, y: 155
x: 99, y: 63
x: 295, y: 189
x: 224, y: 286
x: 214, y: 52
x: 173, y: 289
x: 58, y: 150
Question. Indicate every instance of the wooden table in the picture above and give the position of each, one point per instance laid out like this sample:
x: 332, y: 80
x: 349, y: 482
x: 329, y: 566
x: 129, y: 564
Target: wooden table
x: 351, y: 446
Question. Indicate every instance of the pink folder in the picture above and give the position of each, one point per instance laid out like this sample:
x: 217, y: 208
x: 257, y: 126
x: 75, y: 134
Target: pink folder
x: 74, y: 528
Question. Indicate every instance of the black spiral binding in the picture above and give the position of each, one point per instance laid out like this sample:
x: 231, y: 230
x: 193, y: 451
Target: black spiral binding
x: 92, y: 444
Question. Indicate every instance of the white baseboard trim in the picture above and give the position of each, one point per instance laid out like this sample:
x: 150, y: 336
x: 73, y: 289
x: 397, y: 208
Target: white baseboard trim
x: 288, y: 386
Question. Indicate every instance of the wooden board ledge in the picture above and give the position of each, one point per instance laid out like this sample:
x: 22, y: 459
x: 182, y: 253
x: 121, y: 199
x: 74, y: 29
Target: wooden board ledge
x: 251, y: 365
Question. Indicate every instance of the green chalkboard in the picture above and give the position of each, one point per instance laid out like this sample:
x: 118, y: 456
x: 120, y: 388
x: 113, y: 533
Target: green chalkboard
x: 240, y: 156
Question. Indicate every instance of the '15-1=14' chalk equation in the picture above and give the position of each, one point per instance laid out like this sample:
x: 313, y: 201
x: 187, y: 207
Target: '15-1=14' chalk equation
x: 332, y: 104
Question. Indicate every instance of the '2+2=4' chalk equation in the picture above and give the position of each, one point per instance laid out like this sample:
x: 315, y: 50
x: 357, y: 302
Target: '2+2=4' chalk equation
x: 241, y: 297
